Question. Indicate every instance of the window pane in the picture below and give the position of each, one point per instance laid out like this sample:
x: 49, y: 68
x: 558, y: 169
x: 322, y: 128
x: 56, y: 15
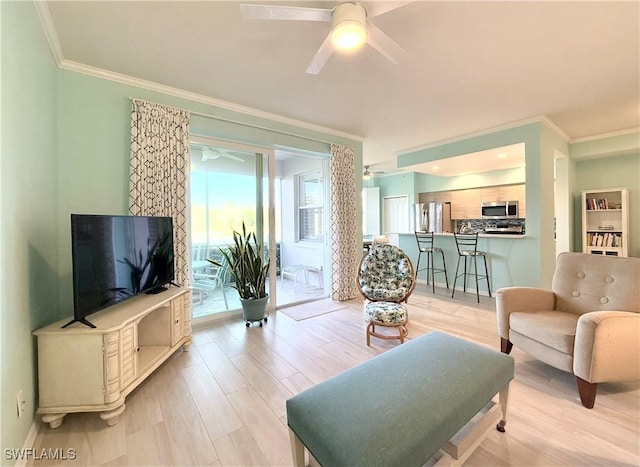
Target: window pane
x: 310, y: 224
x: 311, y: 190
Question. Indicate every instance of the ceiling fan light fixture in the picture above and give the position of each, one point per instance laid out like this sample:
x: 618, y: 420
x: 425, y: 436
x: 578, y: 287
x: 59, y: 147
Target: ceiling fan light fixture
x: 349, y: 35
x: 366, y: 175
x: 349, y: 26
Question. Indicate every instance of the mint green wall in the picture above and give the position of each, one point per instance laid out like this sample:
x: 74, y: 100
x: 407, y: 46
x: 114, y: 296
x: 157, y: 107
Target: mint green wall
x: 29, y: 256
x: 94, y: 128
x: 610, y: 172
x: 396, y: 185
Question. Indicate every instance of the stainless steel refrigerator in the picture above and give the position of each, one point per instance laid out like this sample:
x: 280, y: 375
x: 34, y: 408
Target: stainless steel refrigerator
x: 433, y: 217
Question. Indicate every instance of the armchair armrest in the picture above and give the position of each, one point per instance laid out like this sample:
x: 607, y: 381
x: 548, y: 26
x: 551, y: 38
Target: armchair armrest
x: 510, y: 299
x: 607, y: 346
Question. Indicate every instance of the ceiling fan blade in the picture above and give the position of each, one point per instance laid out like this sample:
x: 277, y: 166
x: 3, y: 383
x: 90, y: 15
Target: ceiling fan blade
x: 384, y: 44
x: 231, y: 156
x: 321, y: 56
x: 252, y: 11
x: 379, y: 8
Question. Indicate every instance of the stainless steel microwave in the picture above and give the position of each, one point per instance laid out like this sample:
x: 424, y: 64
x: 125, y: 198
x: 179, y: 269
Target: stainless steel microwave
x: 500, y: 210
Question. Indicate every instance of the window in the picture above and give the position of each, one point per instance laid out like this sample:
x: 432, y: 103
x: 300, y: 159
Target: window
x: 310, y: 205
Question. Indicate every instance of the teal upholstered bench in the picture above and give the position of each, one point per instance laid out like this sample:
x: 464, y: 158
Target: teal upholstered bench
x: 407, y: 406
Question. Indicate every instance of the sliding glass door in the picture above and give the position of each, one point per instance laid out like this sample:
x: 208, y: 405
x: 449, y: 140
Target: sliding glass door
x: 282, y: 197
x: 229, y: 187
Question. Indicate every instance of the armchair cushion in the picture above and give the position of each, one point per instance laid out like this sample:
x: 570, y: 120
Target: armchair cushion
x: 386, y: 274
x: 553, y: 328
x: 512, y: 299
x: 584, y: 283
x: 385, y: 312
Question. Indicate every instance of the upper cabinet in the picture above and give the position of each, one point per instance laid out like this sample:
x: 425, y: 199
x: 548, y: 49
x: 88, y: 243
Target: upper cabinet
x: 500, y: 193
x: 466, y: 204
x: 437, y: 196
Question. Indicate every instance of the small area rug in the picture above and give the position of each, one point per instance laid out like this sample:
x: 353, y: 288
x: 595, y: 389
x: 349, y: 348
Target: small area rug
x: 311, y: 309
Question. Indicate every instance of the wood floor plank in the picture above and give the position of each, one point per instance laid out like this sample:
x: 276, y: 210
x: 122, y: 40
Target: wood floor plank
x: 266, y: 429
x: 225, y: 373
x: 239, y: 448
x: 272, y: 391
x: 217, y: 415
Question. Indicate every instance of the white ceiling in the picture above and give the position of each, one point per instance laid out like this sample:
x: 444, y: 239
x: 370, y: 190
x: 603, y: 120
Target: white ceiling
x: 472, y: 65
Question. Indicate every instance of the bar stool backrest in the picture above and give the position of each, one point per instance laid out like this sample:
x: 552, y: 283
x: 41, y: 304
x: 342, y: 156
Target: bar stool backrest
x: 466, y: 243
x: 425, y: 241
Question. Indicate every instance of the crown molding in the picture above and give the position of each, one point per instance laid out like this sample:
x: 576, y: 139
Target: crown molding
x: 610, y: 134
x: 507, y: 126
x: 200, y: 98
x: 44, y: 14
x: 549, y: 123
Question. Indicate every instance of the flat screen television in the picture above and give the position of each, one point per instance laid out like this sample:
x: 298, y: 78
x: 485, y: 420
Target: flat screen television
x: 116, y: 258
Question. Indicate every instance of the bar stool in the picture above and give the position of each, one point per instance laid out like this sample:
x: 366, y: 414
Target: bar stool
x: 425, y: 245
x: 467, y: 245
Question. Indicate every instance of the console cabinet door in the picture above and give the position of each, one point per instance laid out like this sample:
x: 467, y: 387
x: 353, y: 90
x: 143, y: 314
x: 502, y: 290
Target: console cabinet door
x: 128, y: 354
x: 70, y: 369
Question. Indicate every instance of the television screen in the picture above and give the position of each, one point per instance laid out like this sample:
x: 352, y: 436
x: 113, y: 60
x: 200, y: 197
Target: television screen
x: 118, y: 257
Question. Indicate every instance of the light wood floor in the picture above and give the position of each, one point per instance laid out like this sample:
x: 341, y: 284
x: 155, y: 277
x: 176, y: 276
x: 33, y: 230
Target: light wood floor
x: 223, y: 402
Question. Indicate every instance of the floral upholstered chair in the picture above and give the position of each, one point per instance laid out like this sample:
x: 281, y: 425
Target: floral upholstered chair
x: 386, y: 279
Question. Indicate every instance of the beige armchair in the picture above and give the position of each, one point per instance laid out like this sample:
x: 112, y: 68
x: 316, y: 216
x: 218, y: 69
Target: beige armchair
x: 588, y: 324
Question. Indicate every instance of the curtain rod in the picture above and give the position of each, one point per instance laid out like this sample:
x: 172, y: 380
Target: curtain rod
x: 237, y: 122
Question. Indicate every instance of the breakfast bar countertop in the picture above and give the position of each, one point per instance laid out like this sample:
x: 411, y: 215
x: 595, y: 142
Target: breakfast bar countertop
x: 483, y: 235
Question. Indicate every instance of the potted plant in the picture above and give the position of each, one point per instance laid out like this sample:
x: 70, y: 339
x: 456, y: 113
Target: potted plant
x: 249, y: 269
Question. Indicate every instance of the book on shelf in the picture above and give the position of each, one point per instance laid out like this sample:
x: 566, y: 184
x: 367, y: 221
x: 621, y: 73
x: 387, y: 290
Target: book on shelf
x: 608, y: 239
x: 594, y: 204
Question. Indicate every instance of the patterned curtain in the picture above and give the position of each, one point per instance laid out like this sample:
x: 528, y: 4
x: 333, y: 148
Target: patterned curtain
x: 159, y: 170
x: 344, y: 231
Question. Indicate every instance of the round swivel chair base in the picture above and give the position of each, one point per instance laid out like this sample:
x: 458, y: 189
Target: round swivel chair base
x: 371, y: 331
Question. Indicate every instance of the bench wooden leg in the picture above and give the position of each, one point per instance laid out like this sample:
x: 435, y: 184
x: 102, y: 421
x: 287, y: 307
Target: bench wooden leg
x: 504, y: 402
x: 297, y: 449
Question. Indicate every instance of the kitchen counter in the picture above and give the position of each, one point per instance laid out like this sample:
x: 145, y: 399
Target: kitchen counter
x: 481, y: 235
x: 506, y: 255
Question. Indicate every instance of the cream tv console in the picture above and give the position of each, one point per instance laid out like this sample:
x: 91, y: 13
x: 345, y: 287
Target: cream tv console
x: 81, y: 369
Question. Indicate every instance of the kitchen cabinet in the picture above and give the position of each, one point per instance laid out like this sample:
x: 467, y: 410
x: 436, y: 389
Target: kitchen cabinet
x: 435, y: 196
x: 465, y: 204
x: 522, y: 200
x: 500, y: 193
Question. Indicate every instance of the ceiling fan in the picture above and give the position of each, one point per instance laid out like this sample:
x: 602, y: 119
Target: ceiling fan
x: 351, y: 27
x: 366, y: 175
x: 210, y: 154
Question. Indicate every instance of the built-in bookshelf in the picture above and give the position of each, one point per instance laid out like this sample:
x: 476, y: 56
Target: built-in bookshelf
x: 605, y: 221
